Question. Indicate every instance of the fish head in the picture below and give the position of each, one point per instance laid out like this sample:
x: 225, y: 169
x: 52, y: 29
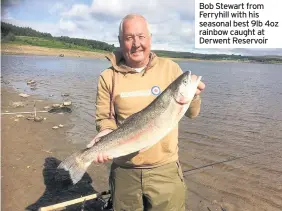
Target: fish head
x: 184, y: 88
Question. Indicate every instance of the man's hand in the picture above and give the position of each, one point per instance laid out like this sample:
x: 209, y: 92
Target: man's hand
x: 102, y: 157
x: 201, y: 85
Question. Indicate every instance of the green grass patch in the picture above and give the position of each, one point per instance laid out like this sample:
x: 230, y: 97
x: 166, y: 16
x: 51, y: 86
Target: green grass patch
x: 51, y: 43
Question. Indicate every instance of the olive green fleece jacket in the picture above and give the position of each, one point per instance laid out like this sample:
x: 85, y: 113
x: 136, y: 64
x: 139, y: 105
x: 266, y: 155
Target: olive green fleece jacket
x: 122, y: 92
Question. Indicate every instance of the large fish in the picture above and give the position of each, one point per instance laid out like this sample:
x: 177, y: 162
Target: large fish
x: 141, y: 130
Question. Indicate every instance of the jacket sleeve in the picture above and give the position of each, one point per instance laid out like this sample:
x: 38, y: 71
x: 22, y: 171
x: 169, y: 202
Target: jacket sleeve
x: 195, y: 106
x: 102, y: 115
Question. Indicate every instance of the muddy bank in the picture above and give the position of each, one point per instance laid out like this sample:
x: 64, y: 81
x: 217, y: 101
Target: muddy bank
x: 31, y: 151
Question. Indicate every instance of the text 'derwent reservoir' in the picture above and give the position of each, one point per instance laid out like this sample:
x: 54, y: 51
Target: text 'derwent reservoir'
x: 238, y: 24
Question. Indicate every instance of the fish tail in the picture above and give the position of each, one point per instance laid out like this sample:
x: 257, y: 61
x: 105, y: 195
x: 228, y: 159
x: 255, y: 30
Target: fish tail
x: 75, y: 165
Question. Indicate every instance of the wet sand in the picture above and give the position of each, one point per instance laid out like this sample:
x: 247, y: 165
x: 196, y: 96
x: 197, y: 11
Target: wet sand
x: 31, y: 151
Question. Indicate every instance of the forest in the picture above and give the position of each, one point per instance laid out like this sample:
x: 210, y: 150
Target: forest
x: 26, y: 35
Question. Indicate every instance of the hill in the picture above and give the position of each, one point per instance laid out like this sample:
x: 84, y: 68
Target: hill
x: 26, y: 35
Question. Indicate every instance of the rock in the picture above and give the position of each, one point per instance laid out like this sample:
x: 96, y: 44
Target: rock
x: 55, y: 127
x: 30, y: 118
x: 16, y: 120
x: 60, y: 125
x: 67, y: 103
x: 31, y: 82
x: 60, y: 110
x: 19, y: 116
x: 38, y: 119
x: 33, y: 88
x: 65, y: 95
x: 47, y: 107
x: 56, y: 105
x: 18, y: 104
x: 24, y: 95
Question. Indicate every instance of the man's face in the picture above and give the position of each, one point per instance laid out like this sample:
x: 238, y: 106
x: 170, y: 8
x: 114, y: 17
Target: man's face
x: 135, y: 42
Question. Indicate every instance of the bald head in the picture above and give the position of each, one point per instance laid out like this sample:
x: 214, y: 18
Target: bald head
x: 135, y: 40
x: 130, y: 17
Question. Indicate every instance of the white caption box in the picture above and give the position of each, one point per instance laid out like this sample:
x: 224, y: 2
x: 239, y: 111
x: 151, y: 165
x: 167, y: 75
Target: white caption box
x: 238, y: 24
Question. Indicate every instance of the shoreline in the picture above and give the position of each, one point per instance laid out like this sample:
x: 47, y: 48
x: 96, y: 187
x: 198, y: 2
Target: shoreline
x: 31, y: 151
x: 16, y: 49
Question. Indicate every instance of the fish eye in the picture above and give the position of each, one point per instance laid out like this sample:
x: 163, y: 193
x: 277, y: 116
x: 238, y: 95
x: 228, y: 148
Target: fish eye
x: 185, y: 81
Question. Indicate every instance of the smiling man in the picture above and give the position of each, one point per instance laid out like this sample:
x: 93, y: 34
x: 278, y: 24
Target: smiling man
x: 151, y: 179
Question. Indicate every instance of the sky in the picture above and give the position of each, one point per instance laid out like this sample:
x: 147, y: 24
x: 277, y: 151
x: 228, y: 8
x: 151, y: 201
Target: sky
x: 171, y: 21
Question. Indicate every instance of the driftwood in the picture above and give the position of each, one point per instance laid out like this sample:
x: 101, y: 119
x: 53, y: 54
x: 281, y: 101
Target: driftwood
x: 71, y: 202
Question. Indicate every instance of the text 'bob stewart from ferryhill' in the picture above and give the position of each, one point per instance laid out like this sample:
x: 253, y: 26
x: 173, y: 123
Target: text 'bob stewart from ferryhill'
x: 237, y: 24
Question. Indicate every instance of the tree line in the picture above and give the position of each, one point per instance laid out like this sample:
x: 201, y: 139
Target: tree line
x: 9, y: 32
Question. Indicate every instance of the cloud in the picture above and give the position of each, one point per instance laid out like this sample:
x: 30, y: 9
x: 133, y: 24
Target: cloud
x: 171, y: 22
x: 78, y: 11
x: 56, y: 8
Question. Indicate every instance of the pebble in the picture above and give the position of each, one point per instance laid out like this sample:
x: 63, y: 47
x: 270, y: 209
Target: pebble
x: 31, y: 82
x: 17, y: 104
x: 56, y: 105
x: 67, y: 103
x: 55, y: 127
x: 60, y: 125
x: 24, y: 95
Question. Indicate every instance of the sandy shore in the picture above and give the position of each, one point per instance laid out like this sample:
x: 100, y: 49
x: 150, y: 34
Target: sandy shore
x: 15, y: 49
x: 31, y: 151
x: 43, y: 51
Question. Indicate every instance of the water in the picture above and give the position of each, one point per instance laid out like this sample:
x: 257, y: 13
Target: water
x: 242, y: 102
x: 241, y: 119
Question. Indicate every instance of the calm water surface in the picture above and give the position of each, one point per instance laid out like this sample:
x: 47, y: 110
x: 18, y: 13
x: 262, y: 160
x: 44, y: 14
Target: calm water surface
x: 242, y: 103
x: 230, y: 154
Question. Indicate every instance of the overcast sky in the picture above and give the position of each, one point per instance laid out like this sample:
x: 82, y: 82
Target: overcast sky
x: 171, y: 21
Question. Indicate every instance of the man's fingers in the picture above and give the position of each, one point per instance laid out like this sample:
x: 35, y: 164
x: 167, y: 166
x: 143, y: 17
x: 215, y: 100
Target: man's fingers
x: 198, y: 92
x: 201, y: 86
x: 101, y: 158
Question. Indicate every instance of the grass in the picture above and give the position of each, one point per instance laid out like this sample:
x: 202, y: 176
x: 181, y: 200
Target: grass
x: 51, y: 43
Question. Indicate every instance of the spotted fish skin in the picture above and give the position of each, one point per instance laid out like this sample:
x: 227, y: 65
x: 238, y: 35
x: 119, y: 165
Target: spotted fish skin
x: 141, y: 130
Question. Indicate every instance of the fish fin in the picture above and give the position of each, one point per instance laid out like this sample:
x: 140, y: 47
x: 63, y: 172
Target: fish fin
x: 144, y: 149
x: 92, y: 144
x: 75, y: 165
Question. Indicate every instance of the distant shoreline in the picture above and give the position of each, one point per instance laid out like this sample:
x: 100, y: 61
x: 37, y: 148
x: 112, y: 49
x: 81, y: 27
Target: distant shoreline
x: 15, y: 49
x: 20, y: 49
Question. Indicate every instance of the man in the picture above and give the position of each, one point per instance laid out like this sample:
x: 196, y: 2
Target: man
x: 152, y: 179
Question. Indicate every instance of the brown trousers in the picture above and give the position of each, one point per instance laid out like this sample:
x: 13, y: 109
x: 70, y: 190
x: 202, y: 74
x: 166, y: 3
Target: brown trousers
x: 161, y: 188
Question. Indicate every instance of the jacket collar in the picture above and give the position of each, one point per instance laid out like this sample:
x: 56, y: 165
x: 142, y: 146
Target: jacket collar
x: 118, y: 62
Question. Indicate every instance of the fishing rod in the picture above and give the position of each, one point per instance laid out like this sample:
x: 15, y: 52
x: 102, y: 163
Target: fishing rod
x: 63, y: 205
x: 220, y: 162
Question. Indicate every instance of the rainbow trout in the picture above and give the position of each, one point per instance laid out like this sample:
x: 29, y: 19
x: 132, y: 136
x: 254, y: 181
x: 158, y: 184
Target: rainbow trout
x: 141, y: 130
